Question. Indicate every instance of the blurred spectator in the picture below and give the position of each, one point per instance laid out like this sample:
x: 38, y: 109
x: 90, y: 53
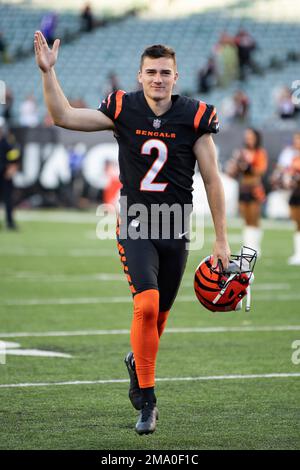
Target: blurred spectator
x: 287, y: 176
x: 7, y: 107
x: 226, y: 59
x: 207, y: 76
x: 111, y: 191
x: 285, y: 108
x: 3, y: 49
x: 248, y: 165
x: 2, y: 46
x: 87, y: 19
x: 241, y: 106
x: 9, y: 164
x: 112, y: 84
x: 76, y: 157
x: 235, y: 108
x: 29, y: 116
x: 246, y: 45
x: 48, y: 26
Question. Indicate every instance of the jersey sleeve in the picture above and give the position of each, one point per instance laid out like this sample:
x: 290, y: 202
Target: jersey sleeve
x: 112, y: 105
x: 206, y: 119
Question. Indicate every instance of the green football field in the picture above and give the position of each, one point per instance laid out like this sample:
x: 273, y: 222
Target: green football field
x: 224, y: 381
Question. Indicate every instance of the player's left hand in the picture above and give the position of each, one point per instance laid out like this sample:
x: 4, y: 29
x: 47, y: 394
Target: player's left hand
x: 221, y: 251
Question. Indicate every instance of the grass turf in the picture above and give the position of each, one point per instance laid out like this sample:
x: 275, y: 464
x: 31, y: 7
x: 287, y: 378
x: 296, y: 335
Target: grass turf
x: 47, y: 261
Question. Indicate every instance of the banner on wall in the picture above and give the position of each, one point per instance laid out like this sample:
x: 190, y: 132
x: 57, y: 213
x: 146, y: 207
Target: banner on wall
x: 61, y: 167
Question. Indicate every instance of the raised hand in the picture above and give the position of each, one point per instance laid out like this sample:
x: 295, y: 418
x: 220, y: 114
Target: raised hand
x: 45, y: 57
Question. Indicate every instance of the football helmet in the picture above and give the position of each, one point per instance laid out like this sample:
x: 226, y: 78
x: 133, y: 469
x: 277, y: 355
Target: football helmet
x: 223, y: 290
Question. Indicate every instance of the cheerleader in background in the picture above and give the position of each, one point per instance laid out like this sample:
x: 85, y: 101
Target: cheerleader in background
x: 248, y: 165
x: 287, y: 176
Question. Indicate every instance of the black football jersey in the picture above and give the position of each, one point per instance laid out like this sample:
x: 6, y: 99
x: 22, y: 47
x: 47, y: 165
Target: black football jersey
x: 156, y: 152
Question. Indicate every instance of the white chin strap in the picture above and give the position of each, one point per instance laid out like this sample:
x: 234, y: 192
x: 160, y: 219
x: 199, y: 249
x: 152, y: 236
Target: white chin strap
x: 248, y: 301
x: 217, y: 298
x: 248, y: 290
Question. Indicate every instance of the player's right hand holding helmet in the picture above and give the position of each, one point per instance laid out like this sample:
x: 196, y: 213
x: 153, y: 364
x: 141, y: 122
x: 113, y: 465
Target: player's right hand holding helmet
x: 222, y: 290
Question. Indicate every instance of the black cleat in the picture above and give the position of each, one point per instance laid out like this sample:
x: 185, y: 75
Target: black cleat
x: 147, y: 420
x: 134, y: 393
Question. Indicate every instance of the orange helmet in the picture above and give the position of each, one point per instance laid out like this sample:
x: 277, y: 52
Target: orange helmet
x: 222, y: 290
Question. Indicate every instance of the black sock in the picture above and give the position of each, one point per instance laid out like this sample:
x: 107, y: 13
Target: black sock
x: 148, y: 395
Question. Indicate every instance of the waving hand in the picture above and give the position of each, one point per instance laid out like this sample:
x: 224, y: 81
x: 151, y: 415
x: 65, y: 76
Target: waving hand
x: 45, y: 57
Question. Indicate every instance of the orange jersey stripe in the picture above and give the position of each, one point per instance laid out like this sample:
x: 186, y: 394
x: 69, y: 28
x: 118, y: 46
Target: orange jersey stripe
x: 199, y: 114
x: 119, y: 102
x: 212, y: 115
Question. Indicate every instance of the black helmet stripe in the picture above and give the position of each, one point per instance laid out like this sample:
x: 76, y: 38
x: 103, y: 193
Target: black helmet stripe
x: 207, y: 278
x: 204, y: 287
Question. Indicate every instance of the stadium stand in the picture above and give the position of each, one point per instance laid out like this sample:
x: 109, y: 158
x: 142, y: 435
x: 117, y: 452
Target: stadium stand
x: 85, y: 63
x: 18, y: 22
x: 262, y: 91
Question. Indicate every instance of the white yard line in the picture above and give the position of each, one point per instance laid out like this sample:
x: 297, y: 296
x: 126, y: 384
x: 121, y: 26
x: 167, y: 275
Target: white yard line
x: 163, y: 379
x: 218, y: 329
x: 91, y: 253
x: 272, y: 297
x: 35, y: 353
x: 45, y: 277
x: 68, y: 301
x: 73, y: 217
x: 94, y: 252
x: 76, y: 253
x: 257, y: 287
x: 91, y: 217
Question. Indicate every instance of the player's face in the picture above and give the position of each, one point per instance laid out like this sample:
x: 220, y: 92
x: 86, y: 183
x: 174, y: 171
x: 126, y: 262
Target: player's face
x: 158, y: 77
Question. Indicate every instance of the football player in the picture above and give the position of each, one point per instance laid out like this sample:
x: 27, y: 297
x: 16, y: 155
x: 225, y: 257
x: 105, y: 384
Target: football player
x: 160, y: 137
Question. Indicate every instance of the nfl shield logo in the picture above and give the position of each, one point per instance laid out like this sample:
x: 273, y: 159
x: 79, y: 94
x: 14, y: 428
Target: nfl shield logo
x: 156, y: 123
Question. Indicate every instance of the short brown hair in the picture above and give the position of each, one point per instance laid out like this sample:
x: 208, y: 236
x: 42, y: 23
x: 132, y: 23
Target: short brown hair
x: 156, y: 51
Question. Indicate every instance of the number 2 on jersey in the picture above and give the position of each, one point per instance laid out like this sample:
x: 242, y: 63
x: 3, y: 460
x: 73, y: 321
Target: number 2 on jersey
x: 147, y: 183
